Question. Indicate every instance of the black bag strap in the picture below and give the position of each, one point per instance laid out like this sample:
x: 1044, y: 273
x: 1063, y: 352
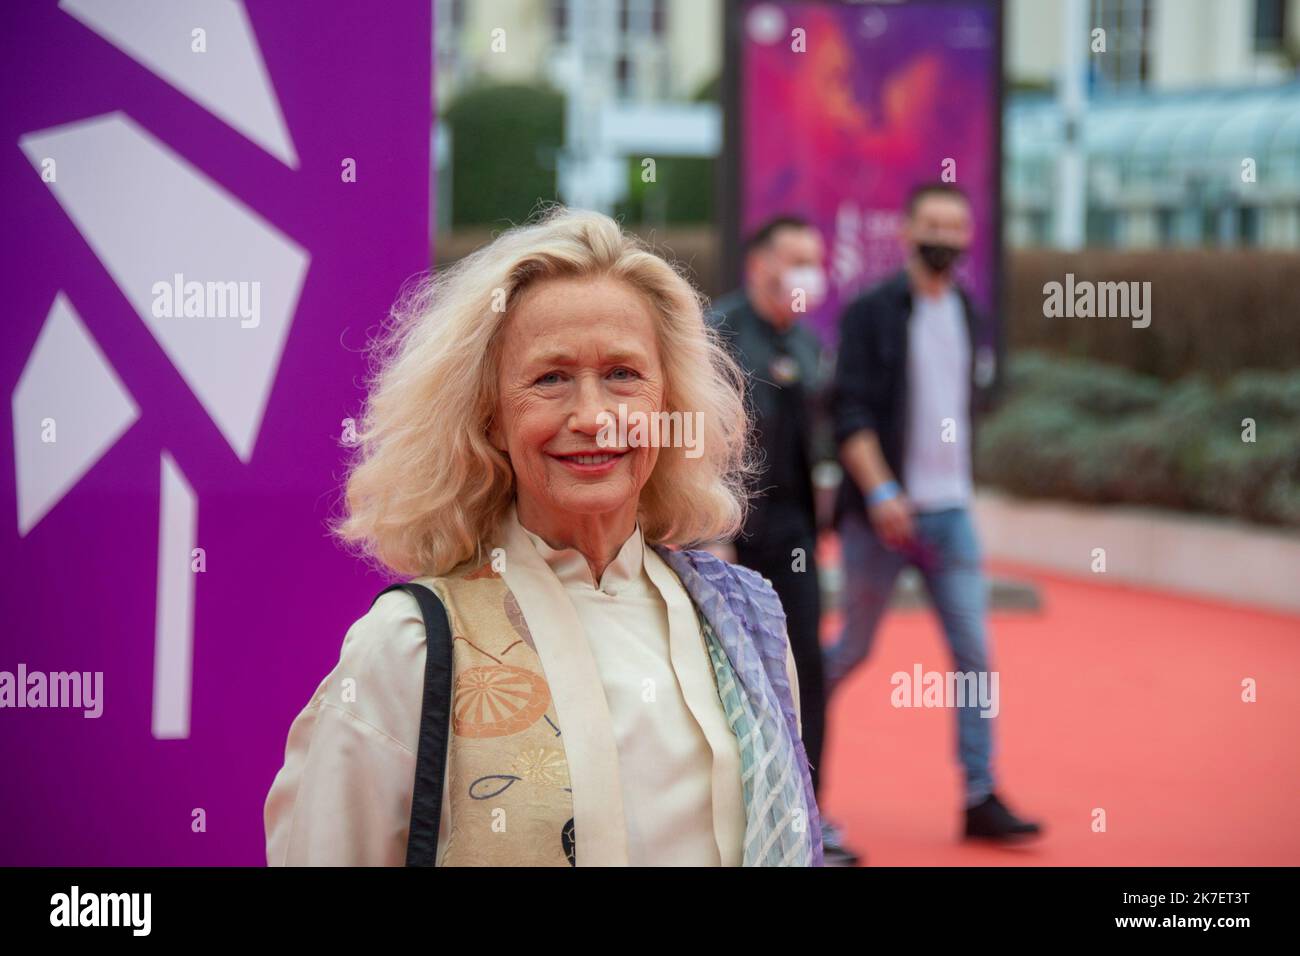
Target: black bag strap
x: 435, y: 713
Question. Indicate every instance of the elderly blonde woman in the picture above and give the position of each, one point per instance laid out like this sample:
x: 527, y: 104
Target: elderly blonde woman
x: 560, y: 683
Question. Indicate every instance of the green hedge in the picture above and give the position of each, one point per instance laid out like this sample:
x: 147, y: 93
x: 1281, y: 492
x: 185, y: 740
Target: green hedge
x: 504, y: 142
x: 1079, y: 430
x: 682, y: 192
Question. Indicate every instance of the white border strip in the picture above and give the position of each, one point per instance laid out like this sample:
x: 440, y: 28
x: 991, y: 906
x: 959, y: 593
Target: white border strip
x: 1203, y: 556
x: 174, y: 635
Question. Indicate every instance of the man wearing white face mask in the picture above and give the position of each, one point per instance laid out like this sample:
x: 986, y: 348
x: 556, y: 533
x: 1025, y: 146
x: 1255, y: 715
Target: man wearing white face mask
x: 784, y: 281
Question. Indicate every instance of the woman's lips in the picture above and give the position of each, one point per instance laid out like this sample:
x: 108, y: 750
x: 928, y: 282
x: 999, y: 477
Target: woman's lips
x: 590, y: 463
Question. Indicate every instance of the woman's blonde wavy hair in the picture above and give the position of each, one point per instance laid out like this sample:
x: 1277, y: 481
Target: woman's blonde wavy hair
x: 426, y: 489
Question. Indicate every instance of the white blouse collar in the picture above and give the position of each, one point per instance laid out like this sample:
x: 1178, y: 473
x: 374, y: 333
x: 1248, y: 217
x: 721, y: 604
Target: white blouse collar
x: 569, y: 565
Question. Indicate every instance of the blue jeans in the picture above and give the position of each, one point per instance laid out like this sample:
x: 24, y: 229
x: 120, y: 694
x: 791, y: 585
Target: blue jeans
x: 950, y: 567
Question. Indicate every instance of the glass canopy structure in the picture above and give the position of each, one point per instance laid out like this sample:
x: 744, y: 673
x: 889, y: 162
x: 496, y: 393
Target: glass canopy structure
x: 1219, y: 168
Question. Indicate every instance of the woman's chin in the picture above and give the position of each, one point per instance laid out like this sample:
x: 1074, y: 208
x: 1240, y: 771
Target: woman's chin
x: 596, y: 498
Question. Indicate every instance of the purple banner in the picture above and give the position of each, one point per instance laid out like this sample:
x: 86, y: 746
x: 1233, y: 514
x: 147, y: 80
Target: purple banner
x: 210, y: 205
x: 846, y: 106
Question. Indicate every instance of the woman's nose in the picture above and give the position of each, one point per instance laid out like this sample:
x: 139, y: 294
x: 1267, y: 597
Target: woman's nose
x: 591, y: 405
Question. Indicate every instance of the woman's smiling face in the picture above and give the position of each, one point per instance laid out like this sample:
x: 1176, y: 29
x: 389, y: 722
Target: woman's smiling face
x: 573, y: 349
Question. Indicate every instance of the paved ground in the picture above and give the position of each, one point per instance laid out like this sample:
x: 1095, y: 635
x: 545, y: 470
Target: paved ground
x: 1112, y: 698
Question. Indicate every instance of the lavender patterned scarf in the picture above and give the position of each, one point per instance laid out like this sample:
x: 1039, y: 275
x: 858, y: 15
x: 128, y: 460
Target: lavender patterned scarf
x: 744, y: 628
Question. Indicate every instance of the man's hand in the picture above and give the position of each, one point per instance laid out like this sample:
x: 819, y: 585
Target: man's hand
x: 892, y: 520
x: 865, y: 463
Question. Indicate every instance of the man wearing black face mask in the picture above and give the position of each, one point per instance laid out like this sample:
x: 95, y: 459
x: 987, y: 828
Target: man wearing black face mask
x: 912, y: 370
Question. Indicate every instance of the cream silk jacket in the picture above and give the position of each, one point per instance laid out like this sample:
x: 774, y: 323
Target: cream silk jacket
x: 654, y: 768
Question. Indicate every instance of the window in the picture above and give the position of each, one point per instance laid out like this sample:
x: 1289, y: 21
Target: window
x: 1127, y: 23
x: 1270, y: 25
x: 448, y: 26
x: 635, y: 17
x: 642, y: 50
x: 560, y: 20
x: 642, y: 16
x: 1210, y: 226
x: 636, y: 42
x: 1167, y: 226
x: 1248, y: 231
x: 1101, y: 226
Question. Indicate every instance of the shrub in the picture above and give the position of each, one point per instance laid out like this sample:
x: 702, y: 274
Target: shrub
x: 1082, y: 431
x: 504, y: 140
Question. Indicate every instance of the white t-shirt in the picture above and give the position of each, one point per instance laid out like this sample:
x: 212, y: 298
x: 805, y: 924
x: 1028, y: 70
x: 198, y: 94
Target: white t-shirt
x: 937, y: 458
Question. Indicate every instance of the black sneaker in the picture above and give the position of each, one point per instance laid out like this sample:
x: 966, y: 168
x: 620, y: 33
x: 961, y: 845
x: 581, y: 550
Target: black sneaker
x: 991, y: 820
x: 834, y: 852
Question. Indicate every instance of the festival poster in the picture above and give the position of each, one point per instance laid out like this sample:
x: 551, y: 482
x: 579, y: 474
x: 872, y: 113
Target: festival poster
x: 840, y: 120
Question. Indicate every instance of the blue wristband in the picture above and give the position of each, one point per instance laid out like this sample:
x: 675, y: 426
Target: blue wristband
x: 883, y: 492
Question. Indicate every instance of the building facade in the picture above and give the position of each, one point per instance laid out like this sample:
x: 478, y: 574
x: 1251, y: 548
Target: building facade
x: 1190, y: 131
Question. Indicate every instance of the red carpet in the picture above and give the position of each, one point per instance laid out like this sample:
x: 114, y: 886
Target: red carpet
x: 1112, y: 698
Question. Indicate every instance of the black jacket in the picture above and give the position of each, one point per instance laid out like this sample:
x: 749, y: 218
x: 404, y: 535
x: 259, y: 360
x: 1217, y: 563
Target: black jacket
x: 870, y: 388
x: 785, y: 414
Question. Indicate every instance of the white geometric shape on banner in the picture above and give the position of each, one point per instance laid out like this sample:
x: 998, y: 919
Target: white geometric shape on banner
x: 173, y: 659
x: 149, y: 215
x: 68, y: 379
x: 229, y: 79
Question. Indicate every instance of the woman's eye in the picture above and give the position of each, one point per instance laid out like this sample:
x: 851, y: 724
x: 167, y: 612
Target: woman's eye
x: 550, y: 378
x: 623, y: 374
